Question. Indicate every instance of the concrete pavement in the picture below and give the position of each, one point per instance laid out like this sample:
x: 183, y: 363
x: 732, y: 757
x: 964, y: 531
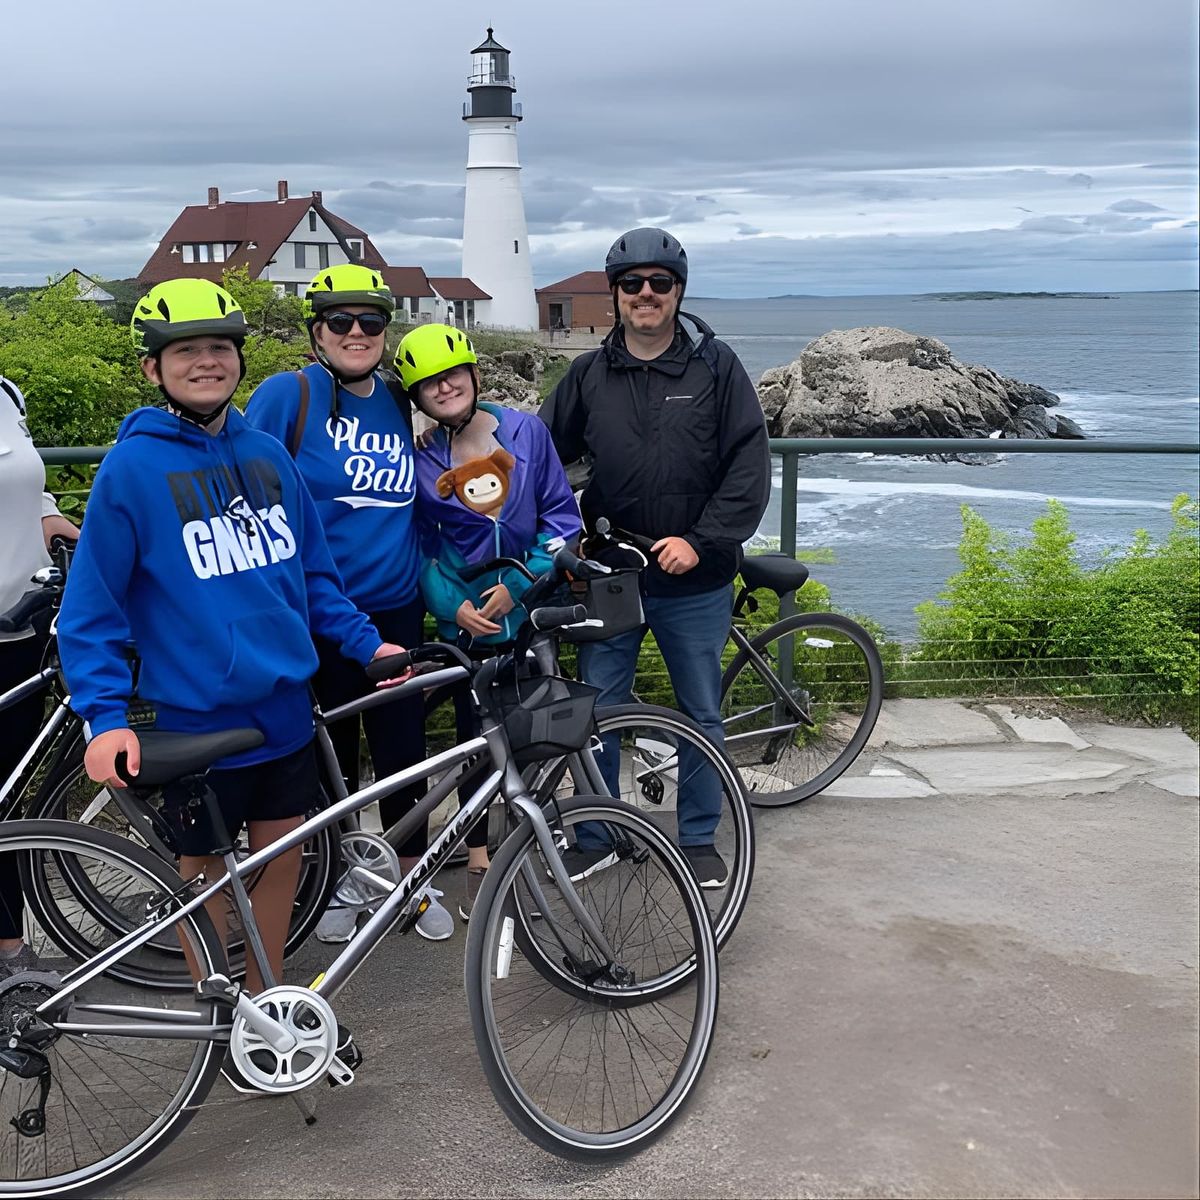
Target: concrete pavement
x: 970, y: 968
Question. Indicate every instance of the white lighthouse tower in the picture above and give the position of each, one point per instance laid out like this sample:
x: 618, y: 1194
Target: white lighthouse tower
x: 495, y: 240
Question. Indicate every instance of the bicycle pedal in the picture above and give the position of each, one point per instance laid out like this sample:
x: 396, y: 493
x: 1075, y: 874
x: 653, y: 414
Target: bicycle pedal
x: 345, y: 1062
x: 409, y: 920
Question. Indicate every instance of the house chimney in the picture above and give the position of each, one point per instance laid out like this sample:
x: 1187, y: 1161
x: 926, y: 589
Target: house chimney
x: 281, y: 190
x: 214, y: 197
x: 317, y: 198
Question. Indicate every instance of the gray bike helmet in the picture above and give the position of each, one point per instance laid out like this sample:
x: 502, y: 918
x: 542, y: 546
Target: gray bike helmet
x: 646, y: 247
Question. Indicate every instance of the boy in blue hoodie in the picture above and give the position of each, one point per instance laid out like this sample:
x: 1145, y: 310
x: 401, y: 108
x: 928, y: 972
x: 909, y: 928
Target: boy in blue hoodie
x: 489, y: 485
x: 202, y: 547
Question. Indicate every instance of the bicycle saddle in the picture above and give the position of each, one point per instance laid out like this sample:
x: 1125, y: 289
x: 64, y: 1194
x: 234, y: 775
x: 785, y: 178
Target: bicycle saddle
x: 779, y: 572
x: 168, y: 756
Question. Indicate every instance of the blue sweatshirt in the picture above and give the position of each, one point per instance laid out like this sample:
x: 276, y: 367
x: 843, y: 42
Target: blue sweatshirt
x: 360, y: 473
x: 206, y: 553
x: 537, y: 509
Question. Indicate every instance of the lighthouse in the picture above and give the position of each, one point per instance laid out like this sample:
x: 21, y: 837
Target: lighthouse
x: 495, y: 251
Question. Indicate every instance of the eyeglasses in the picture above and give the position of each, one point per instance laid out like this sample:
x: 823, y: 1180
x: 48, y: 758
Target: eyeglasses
x: 452, y: 377
x: 660, y: 285
x: 215, y: 350
x: 372, y: 324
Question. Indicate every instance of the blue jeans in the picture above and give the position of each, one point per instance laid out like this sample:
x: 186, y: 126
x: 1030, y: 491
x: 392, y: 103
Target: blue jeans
x: 691, y: 632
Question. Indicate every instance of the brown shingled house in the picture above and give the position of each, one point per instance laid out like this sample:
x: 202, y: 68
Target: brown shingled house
x: 580, y: 301
x: 286, y: 240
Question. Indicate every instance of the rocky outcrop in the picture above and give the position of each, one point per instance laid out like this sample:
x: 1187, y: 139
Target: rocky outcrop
x: 880, y: 382
x: 512, y: 377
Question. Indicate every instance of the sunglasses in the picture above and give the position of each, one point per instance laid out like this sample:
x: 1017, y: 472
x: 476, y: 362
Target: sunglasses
x: 660, y: 285
x: 372, y: 324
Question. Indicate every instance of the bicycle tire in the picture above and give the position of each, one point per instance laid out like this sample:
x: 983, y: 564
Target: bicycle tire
x: 498, y: 1002
x: 726, y: 905
x: 64, y: 798
x: 118, y: 1142
x: 841, y: 681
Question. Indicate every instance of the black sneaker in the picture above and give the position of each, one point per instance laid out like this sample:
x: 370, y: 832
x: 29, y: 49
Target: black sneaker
x: 581, y: 863
x: 236, y: 1080
x: 707, y: 865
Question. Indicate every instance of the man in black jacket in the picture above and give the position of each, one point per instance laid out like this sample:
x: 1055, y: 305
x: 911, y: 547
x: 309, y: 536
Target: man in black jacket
x: 679, y: 454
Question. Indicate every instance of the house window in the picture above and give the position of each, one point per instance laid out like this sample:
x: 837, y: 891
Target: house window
x: 356, y: 248
x: 413, y: 305
x: 516, y: 246
x: 312, y: 221
x: 299, y: 251
x: 322, y: 254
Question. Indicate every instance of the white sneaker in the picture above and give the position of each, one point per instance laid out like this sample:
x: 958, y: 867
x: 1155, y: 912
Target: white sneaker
x: 436, y: 924
x: 337, y: 925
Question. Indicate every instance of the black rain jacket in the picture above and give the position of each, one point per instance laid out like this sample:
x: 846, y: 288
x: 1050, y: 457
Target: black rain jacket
x: 678, y: 447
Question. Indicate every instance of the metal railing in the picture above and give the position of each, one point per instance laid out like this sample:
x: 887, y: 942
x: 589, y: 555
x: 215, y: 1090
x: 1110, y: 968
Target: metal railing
x: 916, y: 666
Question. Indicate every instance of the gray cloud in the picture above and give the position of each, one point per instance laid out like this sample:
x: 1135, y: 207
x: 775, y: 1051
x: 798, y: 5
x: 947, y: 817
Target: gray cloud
x: 926, y: 122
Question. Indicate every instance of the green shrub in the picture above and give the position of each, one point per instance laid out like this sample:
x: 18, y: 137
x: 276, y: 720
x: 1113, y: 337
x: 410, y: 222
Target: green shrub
x: 1026, y: 619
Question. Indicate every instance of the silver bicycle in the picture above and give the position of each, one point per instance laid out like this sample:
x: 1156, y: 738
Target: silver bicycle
x: 592, y: 1002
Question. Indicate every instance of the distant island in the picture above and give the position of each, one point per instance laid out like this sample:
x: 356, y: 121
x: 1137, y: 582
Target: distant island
x: 1016, y: 296
x: 799, y: 296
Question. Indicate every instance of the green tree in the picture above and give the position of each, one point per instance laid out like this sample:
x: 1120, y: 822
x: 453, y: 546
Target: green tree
x: 278, y: 340
x: 75, y: 365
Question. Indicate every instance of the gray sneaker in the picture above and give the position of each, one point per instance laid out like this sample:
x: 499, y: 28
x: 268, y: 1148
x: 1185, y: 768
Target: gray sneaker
x: 337, y: 925
x: 23, y: 960
x: 436, y: 924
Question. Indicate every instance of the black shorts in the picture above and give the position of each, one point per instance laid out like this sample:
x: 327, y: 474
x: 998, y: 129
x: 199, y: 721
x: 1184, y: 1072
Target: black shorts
x: 268, y: 791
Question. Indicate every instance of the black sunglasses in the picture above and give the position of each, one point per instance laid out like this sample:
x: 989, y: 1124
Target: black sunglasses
x: 372, y: 324
x: 660, y: 285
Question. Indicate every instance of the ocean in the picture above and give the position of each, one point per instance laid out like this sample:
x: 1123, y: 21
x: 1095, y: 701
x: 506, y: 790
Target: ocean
x: 1125, y: 367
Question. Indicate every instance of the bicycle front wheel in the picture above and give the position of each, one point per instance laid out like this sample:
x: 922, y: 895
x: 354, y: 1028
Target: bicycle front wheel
x: 74, y: 797
x: 592, y: 1057
x: 96, y: 1080
x: 662, y: 763
x: 799, y: 706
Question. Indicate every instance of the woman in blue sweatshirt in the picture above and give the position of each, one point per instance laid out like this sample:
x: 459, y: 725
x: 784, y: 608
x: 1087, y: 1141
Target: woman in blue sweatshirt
x: 202, y: 547
x: 490, y: 486
x: 352, y: 443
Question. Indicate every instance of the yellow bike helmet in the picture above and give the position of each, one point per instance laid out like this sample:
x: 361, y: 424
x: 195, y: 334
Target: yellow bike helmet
x: 184, y: 308
x: 429, y: 350
x: 348, y: 283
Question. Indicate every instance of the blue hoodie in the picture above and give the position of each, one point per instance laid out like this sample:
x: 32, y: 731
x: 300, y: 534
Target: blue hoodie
x: 360, y: 473
x: 206, y: 553
x: 538, y: 508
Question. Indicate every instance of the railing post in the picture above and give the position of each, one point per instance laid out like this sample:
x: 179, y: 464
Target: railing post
x: 787, y: 520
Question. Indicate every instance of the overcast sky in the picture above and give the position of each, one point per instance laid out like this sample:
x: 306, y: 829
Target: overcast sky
x: 819, y: 146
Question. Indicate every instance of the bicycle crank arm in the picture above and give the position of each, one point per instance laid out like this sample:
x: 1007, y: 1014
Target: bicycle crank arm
x: 264, y: 1025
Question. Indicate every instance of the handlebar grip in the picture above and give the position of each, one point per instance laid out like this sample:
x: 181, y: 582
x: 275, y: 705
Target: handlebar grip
x: 543, y: 619
x: 25, y: 609
x: 379, y: 669
x: 566, y: 560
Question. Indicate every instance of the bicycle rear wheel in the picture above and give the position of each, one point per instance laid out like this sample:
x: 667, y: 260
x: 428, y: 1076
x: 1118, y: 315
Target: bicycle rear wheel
x: 74, y: 797
x: 593, y: 1059
x: 794, y: 723
x: 113, y: 1098
x: 660, y: 757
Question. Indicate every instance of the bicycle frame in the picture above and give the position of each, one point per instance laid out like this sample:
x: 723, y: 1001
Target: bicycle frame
x: 503, y: 780
x: 18, y: 780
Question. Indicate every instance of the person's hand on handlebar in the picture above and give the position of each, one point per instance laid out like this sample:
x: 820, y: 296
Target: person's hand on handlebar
x: 58, y: 526
x: 473, y: 621
x: 100, y: 758
x: 675, y: 556
x: 497, y: 602
x: 386, y: 651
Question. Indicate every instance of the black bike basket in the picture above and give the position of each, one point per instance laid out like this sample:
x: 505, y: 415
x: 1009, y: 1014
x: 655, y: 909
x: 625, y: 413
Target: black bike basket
x: 545, y: 717
x: 615, y: 600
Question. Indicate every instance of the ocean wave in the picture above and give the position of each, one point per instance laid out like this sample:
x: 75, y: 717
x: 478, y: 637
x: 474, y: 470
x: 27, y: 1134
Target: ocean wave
x: 854, y: 492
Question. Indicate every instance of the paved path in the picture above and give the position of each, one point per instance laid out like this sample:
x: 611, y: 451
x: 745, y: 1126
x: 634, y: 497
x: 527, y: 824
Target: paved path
x: 973, y: 971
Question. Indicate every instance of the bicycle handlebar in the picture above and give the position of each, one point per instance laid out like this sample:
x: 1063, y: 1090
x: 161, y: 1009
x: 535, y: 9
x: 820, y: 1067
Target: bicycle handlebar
x: 544, y: 619
x: 470, y: 574
x: 30, y: 604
